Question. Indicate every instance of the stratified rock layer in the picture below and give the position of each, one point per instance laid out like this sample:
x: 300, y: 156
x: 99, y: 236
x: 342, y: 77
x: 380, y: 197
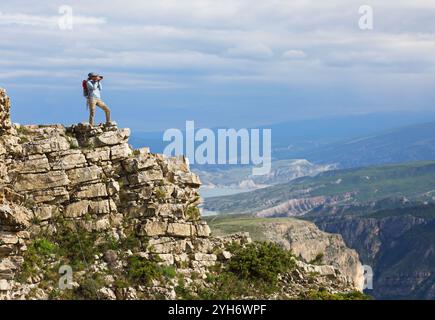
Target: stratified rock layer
x: 89, y: 178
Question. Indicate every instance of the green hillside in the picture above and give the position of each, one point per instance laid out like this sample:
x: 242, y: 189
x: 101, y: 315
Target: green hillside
x: 362, y: 186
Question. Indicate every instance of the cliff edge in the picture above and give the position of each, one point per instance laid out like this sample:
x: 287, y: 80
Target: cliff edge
x: 83, y: 215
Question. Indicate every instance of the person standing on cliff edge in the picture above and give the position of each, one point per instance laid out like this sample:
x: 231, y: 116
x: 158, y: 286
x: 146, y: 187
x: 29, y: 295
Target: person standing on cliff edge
x: 93, y: 92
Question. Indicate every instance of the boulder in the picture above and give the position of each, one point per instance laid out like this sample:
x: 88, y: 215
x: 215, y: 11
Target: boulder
x: 120, y: 152
x: 203, y: 230
x: 153, y: 228
x: 179, y: 230
x: 96, y: 155
x: 140, y: 162
x: 145, y: 177
x: 5, y: 117
x: 41, y: 181
x: 4, y: 285
x: 111, y: 138
x: 34, y: 164
x: 96, y: 190
x: 44, y: 212
x: 99, y: 207
x: 73, y: 159
x: 15, y: 216
x: 86, y: 174
x: 54, y: 143
x: 77, y: 209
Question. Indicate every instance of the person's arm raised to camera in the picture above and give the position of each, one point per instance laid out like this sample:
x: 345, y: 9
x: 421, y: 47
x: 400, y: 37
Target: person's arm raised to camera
x: 92, y: 85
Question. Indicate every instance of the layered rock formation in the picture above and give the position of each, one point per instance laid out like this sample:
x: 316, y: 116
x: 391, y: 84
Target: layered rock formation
x: 63, y: 185
x: 398, y: 244
x: 317, y: 251
x: 5, y: 117
x: 305, y: 240
x: 92, y: 178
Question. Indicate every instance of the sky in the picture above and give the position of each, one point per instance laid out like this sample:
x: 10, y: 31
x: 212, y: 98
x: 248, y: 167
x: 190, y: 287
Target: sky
x: 238, y: 63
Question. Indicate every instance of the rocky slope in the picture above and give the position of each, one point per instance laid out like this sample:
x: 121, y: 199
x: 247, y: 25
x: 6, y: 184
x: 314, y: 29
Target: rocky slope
x: 305, y: 240
x: 399, y: 244
x: 311, y: 245
x: 80, y: 207
x: 327, y: 251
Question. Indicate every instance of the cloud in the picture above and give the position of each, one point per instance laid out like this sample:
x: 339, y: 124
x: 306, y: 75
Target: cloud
x: 227, y: 47
x: 46, y: 21
x: 294, y: 54
x: 250, y: 51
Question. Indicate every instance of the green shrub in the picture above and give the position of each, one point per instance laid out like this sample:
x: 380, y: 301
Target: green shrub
x: 73, y: 145
x: 89, y: 288
x: 34, y: 258
x: 318, y: 260
x: 169, y: 272
x: 193, y: 213
x: 183, y: 292
x: 22, y: 130
x: 260, y: 261
x: 77, y: 246
x: 44, y: 246
x: 252, y: 271
x: 323, y: 294
x: 160, y: 193
x: 142, y: 271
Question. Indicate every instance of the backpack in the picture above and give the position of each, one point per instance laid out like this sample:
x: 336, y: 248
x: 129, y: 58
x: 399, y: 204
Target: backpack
x: 85, y: 88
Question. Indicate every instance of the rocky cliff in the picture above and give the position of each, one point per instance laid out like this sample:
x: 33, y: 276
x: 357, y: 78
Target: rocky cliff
x: 309, y: 243
x: 398, y: 244
x: 325, y: 252
x: 79, y: 206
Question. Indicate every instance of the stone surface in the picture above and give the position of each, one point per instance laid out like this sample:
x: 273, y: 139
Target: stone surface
x: 55, y: 178
x: 305, y: 240
x: 41, y: 181
x: 154, y: 228
x: 77, y: 209
x: 87, y: 174
x: 96, y: 190
x: 179, y: 229
x: 5, y: 116
x: 111, y: 138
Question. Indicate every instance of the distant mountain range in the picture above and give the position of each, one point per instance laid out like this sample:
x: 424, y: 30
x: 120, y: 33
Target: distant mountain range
x: 296, y: 139
x: 241, y: 177
x: 410, y: 143
x: 335, y: 191
x: 310, y: 147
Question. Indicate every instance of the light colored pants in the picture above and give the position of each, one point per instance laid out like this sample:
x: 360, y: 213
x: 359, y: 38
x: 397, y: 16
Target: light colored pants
x: 92, y: 104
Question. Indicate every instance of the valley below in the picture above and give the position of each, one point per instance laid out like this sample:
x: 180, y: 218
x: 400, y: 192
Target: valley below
x: 386, y: 213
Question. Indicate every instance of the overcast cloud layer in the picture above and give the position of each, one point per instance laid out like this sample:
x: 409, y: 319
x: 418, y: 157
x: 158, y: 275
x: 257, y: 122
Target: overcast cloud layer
x: 221, y: 63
